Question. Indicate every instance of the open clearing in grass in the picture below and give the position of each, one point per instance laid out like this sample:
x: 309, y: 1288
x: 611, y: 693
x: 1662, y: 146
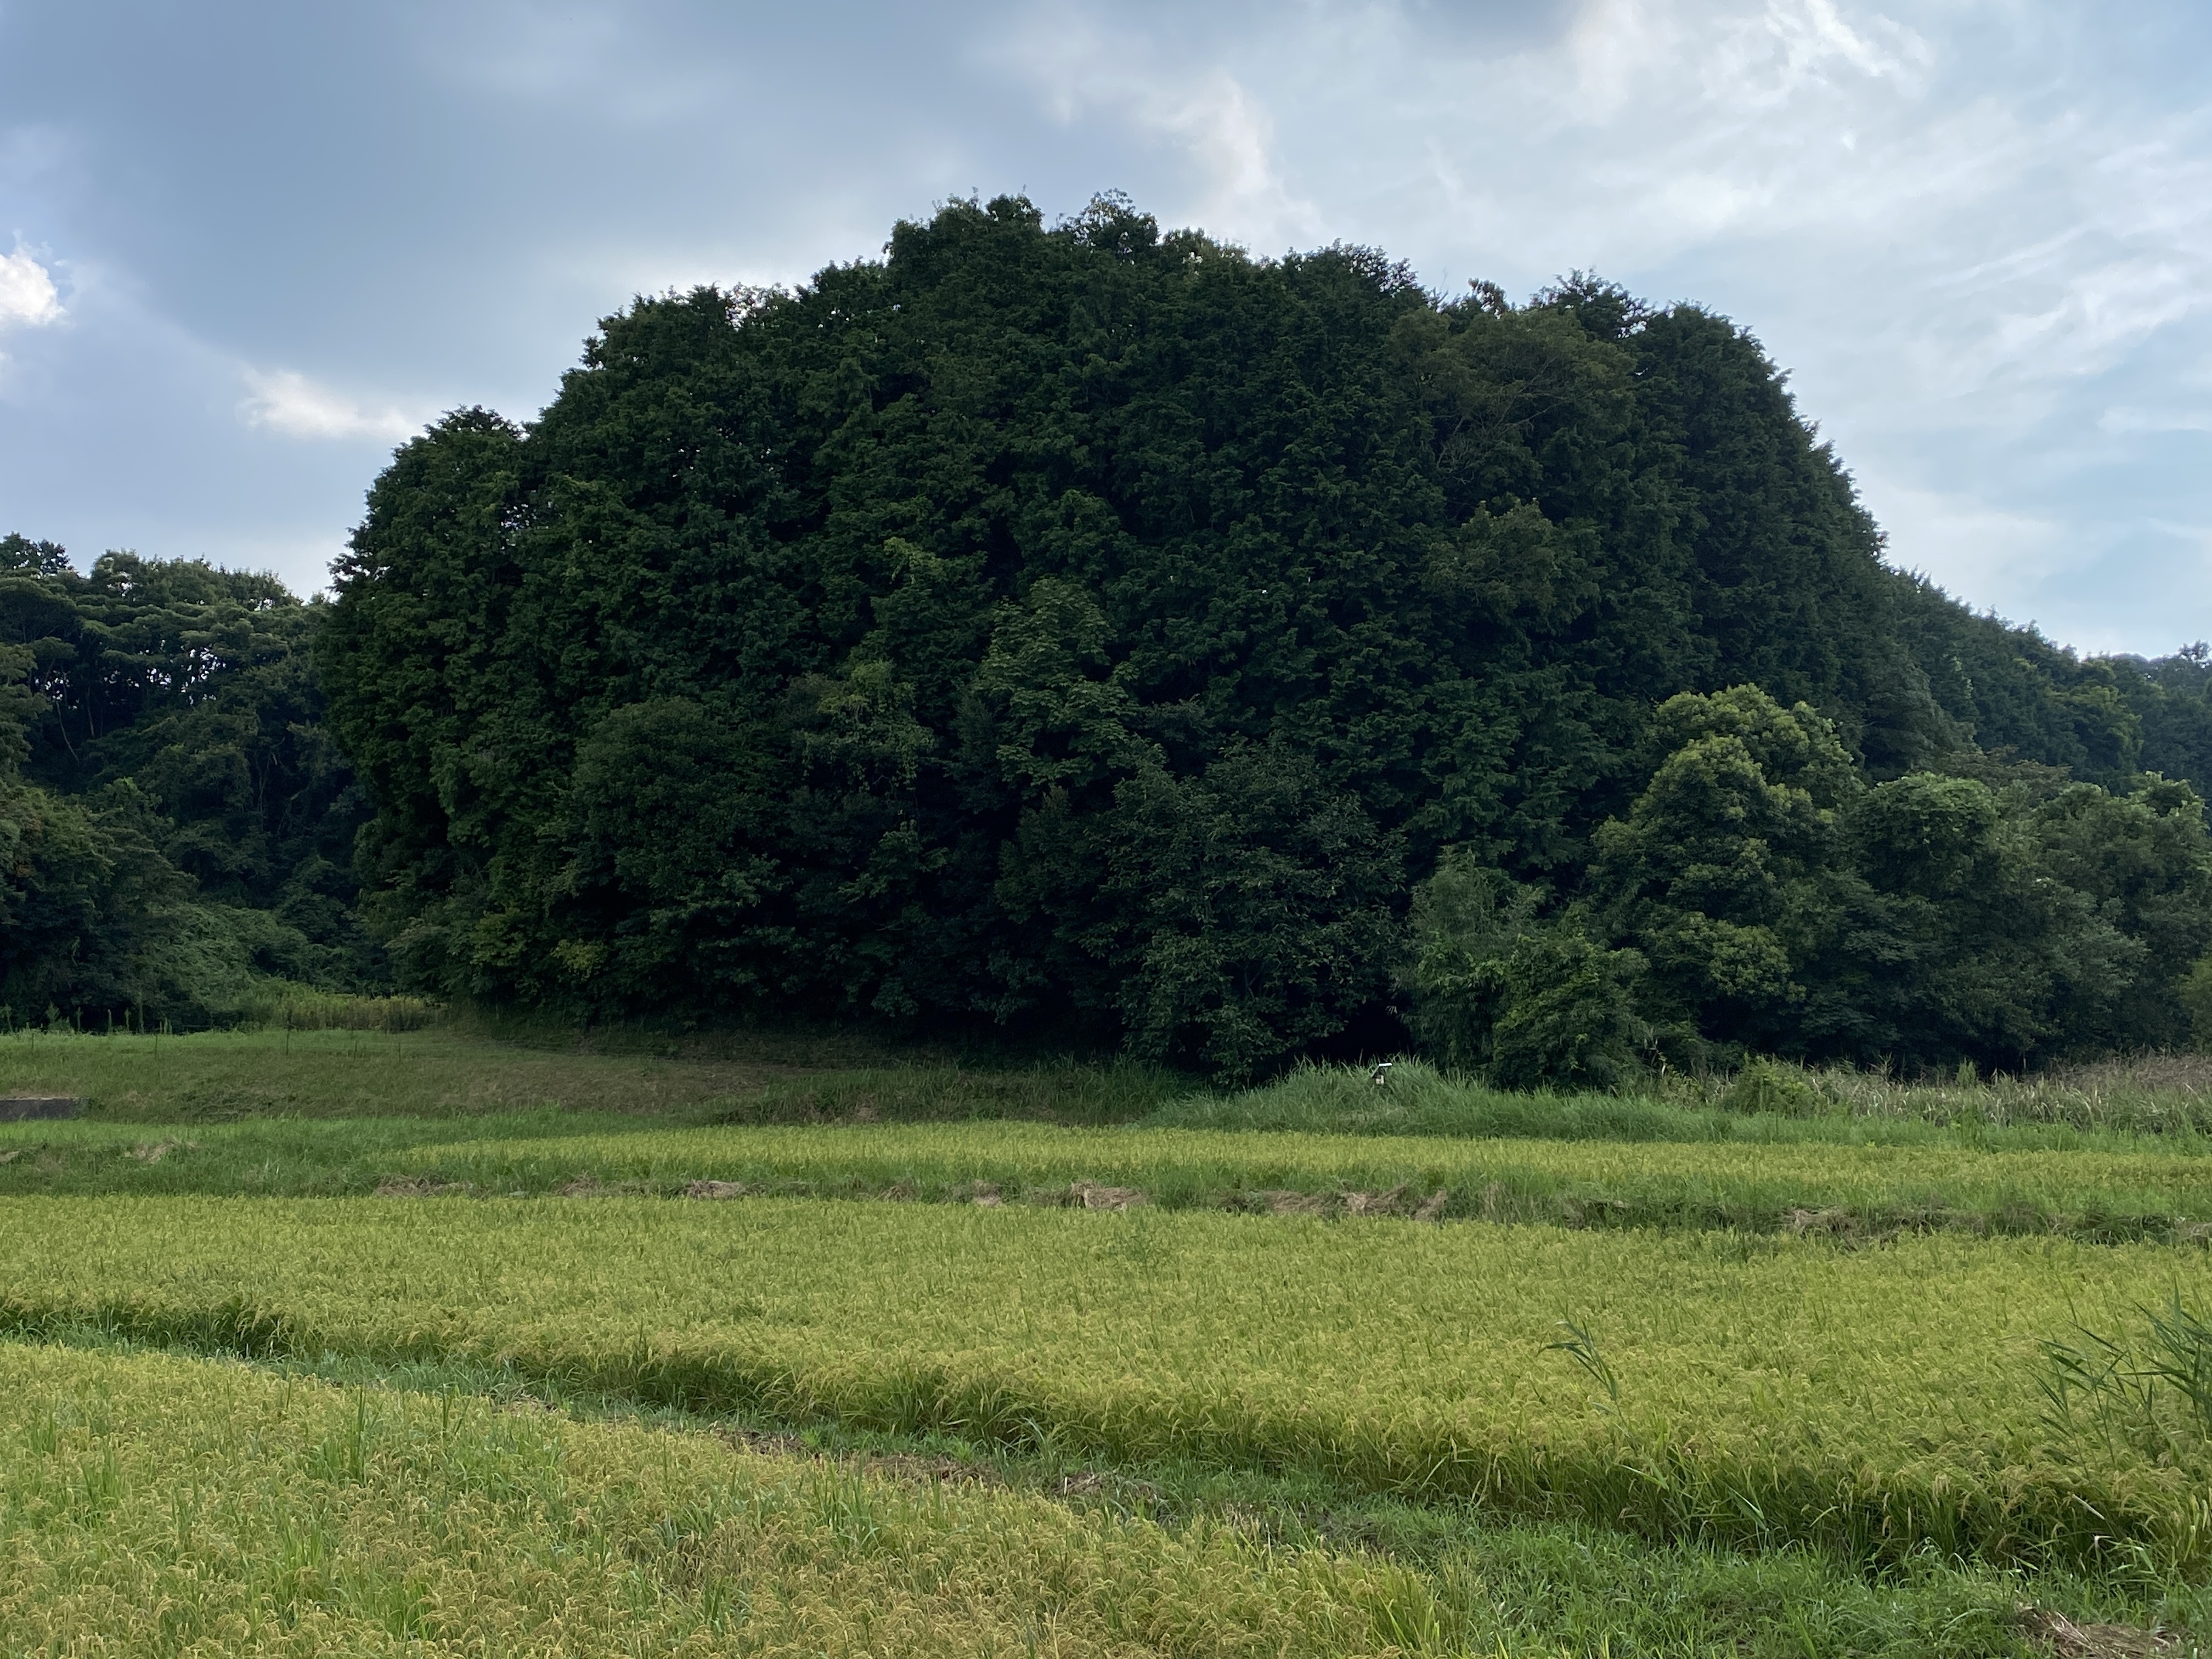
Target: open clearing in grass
x: 1770, y: 1392
x: 159, y: 1503
x: 1853, y: 1192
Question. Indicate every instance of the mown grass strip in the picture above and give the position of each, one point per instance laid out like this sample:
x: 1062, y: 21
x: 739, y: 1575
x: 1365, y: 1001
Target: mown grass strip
x: 1876, y: 1404
x: 458, y: 1071
x: 284, y: 1156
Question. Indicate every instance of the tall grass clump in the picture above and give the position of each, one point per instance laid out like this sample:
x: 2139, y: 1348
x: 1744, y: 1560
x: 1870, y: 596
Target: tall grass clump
x: 275, y: 1006
x: 1414, y: 1097
x: 2148, y: 1387
x: 2146, y: 1094
x: 2161, y: 1095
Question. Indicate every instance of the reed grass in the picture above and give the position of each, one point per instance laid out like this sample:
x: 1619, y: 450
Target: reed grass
x: 2139, y: 1094
x: 2164, y: 1096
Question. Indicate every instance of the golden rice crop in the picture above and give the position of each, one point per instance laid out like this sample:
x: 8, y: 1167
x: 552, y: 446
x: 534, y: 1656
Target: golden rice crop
x: 1761, y: 1187
x: 1857, y: 1191
x: 1769, y: 1390
x: 159, y: 1504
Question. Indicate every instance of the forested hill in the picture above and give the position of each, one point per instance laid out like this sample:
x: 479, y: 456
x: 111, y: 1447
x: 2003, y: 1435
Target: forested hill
x: 1088, y: 629
x: 1089, y: 625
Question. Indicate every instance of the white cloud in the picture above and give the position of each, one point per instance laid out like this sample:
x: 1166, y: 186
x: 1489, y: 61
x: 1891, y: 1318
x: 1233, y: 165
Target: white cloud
x: 1985, y: 554
x: 1222, y: 127
x: 1229, y: 135
x: 1980, y: 238
x: 1765, y: 59
x: 1977, y: 231
x: 27, y: 291
x: 289, y: 403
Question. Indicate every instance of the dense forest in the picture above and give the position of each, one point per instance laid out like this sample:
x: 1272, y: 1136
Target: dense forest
x: 177, y: 824
x: 1096, y: 633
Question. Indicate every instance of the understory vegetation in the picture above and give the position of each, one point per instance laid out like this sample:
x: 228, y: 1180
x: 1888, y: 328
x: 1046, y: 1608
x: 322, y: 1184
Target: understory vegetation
x: 176, y: 821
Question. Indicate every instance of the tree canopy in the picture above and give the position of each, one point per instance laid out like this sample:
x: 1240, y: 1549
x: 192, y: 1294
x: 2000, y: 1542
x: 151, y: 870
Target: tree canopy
x: 1081, y: 627
x: 177, y: 820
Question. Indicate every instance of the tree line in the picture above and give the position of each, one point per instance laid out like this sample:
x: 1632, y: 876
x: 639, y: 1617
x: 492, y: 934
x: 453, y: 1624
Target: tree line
x: 176, y: 821
x: 1097, y: 632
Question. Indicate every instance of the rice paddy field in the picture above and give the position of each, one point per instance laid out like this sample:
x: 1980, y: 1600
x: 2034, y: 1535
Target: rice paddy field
x: 468, y: 1340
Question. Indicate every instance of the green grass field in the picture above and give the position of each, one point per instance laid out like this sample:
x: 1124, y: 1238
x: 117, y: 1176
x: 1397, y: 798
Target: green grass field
x: 383, y: 1342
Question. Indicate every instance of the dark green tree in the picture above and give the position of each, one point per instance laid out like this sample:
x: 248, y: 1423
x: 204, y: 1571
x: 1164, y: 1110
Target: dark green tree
x: 162, y: 730
x: 1525, y: 1000
x: 1085, y: 628
x: 1726, y: 872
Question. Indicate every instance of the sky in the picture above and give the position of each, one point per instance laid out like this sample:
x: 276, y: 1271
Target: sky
x: 247, y: 247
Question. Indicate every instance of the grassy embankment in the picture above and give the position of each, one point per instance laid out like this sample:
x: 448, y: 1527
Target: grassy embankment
x: 471, y: 1070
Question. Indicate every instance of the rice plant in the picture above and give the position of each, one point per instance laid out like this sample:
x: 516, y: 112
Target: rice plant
x: 230, y: 1512
x: 1877, y: 1402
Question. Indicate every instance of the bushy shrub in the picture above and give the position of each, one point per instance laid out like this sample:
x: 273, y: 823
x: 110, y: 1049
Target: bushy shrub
x: 2196, y: 997
x: 1526, y: 1001
x: 1767, y: 1085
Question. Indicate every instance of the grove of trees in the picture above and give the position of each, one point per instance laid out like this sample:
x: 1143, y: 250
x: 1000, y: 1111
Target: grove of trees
x: 176, y: 825
x: 1088, y: 631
